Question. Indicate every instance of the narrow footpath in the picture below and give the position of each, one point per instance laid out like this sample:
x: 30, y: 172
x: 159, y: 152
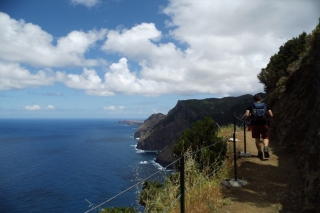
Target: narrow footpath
x: 273, y: 185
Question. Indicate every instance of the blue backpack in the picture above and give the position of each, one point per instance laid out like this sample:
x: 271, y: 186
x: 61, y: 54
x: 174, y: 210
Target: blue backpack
x: 259, y: 111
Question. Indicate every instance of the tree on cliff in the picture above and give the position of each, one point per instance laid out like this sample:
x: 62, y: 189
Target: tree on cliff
x: 277, y: 67
x: 202, y: 140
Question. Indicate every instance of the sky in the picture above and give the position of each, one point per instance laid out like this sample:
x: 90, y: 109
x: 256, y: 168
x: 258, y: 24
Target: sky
x: 132, y: 58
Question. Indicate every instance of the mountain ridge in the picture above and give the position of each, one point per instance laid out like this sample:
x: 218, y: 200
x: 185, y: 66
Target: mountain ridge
x: 160, y: 132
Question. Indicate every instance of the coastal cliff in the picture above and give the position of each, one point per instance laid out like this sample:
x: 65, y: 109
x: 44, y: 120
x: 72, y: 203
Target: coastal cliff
x: 149, y: 124
x: 160, y: 132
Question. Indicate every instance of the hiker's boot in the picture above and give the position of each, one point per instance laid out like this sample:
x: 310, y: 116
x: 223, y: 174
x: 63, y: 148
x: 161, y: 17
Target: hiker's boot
x: 266, y: 152
x: 260, y: 155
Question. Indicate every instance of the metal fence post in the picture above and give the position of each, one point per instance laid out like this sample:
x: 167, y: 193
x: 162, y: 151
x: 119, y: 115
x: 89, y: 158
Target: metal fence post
x: 182, y: 184
x: 234, y: 148
x: 244, y: 137
x: 235, y: 182
x: 245, y: 153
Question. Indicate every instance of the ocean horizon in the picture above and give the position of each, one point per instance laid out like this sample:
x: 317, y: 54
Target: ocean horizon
x: 70, y: 165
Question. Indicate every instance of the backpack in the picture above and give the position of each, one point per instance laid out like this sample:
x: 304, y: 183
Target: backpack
x: 259, y: 111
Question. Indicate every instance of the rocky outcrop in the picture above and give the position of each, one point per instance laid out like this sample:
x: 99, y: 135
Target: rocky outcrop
x: 296, y: 125
x: 167, y: 130
x: 161, y: 136
x: 149, y: 124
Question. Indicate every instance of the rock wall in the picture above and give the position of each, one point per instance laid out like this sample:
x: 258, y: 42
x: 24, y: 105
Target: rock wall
x: 296, y: 125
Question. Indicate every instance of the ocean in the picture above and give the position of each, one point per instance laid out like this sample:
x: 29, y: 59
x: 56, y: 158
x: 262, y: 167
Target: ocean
x: 70, y: 165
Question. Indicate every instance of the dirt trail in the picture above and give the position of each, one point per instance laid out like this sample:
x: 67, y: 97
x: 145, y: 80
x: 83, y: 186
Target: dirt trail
x: 273, y: 184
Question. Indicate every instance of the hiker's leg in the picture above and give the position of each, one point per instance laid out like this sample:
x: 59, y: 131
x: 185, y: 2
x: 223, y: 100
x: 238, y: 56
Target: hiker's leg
x: 266, y: 142
x: 265, y: 136
x: 258, y: 144
x: 256, y: 136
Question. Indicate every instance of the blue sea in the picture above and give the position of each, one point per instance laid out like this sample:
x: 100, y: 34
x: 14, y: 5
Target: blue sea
x: 69, y: 165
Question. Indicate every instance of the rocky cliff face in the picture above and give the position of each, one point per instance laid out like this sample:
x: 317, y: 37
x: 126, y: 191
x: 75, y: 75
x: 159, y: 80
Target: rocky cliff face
x: 166, y: 130
x: 162, y: 135
x: 296, y: 125
x: 149, y: 124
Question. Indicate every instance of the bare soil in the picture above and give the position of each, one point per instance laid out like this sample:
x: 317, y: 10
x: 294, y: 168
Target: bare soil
x: 273, y: 185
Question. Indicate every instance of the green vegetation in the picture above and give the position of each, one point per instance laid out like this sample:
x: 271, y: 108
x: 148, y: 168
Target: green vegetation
x: 204, y: 184
x: 119, y: 210
x: 284, y: 63
x: 203, y: 139
x: 277, y: 67
x: 149, y: 191
x: 198, y: 106
x: 203, y: 190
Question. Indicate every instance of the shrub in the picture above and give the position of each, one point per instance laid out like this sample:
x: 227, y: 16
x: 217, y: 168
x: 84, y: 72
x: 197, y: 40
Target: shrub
x: 279, y: 62
x: 119, y: 210
x: 202, y: 140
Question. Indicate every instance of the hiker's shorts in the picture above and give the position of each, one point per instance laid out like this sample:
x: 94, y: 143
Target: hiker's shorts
x: 258, y: 130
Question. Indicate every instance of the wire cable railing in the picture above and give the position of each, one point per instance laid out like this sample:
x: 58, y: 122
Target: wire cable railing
x: 200, y: 181
x: 171, y: 164
x: 133, y: 186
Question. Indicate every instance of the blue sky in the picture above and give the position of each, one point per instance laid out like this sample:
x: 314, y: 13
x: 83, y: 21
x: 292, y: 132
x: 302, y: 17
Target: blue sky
x: 133, y: 58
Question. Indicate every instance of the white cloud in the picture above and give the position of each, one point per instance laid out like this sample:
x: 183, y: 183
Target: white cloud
x: 34, y: 107
x: 168, y: 69
x: 27, y: 43
x: 37, y: 107
x: 112, y: 108
x: 135, y: 42
x: 221, y: 46
x: 88, y: 81
x: 50, y: 107
x: 13, y: 76
x: 87, y: 3
x: 118, y: 79
x: 217, y: 47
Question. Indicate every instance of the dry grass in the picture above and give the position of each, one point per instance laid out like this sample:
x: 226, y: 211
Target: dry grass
x: 203, y: 193
x: 226, y: 131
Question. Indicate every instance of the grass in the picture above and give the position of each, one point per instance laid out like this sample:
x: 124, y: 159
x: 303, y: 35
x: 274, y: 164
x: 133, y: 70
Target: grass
x: 203, y: 192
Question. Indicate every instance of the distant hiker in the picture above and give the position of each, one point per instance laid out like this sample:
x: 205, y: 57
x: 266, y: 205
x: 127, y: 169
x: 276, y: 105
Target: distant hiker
x: 259, y: 113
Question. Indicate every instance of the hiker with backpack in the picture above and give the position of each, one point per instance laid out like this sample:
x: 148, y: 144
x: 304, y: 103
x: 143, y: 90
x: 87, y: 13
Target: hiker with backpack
x: 259, y: 113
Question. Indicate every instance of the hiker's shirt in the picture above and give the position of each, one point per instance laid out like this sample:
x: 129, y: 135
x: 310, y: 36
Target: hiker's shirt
x: 258, y: 122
